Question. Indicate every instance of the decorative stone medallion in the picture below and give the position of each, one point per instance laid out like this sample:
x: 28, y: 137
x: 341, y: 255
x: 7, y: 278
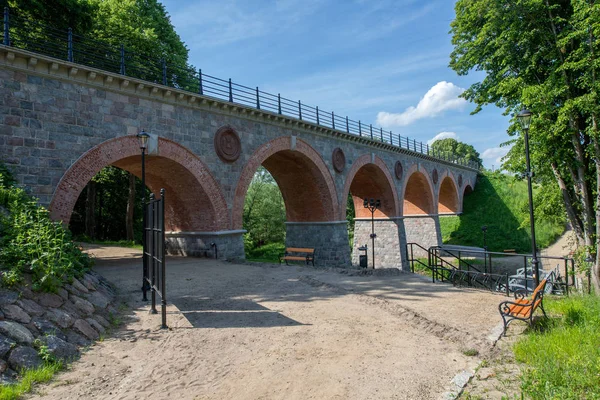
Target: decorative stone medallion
x: 227, y: 144
x: 339, y: 159
x: 398, y: 170
x: 434, y: 176
x: 460, y: 181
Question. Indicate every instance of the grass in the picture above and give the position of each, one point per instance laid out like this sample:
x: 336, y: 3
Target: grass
x: 267, y: 253
x: 29, y: 379
x: 562, y: 359
x: 118, y: 243
x: 499, y: 202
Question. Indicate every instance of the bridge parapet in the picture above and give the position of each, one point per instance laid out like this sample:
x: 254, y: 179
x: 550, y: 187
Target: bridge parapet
x: 140, y: 72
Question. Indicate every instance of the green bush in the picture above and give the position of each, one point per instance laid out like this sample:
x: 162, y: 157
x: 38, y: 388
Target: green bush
x: 269, y: 252
x: 30, y: 242
x: 563, y: 359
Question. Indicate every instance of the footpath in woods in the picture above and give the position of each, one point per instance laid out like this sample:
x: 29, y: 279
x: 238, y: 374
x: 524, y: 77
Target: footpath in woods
x: 252, y: 331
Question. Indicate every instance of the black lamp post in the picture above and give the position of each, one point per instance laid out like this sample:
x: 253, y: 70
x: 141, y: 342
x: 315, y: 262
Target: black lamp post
x: 143, y: 138
x: 372, y: 205
x: 524, y: 118
x: 484, y: 230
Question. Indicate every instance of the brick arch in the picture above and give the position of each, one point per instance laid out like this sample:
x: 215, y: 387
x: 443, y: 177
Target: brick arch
x: 466, y: 190
x: 448, y: 195
x: 417, y: 192
x: 371, y: 180
x: 305, y: 182
x: 194, y: 201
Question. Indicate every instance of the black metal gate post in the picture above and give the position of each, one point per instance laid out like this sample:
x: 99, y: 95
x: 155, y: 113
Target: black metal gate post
x: 155, y: 254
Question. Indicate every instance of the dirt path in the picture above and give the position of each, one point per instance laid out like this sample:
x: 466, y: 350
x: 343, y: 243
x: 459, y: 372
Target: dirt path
x: 270, y: 332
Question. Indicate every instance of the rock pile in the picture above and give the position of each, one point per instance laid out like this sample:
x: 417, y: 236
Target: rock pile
x: 59, y: 322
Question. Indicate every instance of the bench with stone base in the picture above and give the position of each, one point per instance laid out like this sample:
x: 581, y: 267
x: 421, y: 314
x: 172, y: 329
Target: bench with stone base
x: 298, y: 254
x: 522, y: 308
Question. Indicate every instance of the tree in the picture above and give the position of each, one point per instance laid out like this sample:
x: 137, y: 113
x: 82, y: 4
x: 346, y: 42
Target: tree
x: 456, y: 149
x: 541, y: 55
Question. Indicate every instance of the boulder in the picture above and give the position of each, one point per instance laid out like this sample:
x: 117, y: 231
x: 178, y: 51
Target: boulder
x: 98, y: 300
x: 49, y: 300
x: 83, y: 327
x: 92, y: 281
x: 3, y: 366
x: 24, y: 357
x: 79, y: 286
x: 31, y: 307
x: 102, y: 320
x: 6, y: 345
x: 70, y: 289
x: 16, y: 331
x: 48, y: 328
x: 70, y: 308
x: 8, y: 297
x: 63, y: 293
x: 77, y: 339
x: 94, y: 324
x: 59, y: 317
x: 60, y: 349
x: 82, y: 305
x: 16, y: 313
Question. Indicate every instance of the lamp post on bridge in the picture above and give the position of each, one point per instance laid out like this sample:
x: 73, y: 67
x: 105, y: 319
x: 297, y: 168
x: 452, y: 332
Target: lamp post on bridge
x: 524, y: 118
x: 143, y: 138
x: 372, y: 205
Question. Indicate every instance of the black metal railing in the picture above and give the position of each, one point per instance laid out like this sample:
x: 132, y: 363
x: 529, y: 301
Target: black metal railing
x: 463, y: 267
x: 67, y: 45
x: 154, y: 253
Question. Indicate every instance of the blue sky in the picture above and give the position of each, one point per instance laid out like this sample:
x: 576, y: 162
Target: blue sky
x: 383, y: 62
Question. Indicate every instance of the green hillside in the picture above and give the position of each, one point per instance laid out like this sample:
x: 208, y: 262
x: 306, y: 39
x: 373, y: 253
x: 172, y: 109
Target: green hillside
x: 500, y: 202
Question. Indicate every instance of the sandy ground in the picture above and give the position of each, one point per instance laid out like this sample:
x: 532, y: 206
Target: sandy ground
x: 260, y: 331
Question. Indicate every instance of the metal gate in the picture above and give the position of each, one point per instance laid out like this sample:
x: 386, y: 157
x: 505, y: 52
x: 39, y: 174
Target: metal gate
x: 154, y: 253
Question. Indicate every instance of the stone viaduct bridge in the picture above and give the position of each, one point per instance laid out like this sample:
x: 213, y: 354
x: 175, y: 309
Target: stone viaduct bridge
x: 62, y: 122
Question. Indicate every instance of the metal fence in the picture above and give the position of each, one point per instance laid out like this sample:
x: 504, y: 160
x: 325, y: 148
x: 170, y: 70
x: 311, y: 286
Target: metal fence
x: 67, y: 45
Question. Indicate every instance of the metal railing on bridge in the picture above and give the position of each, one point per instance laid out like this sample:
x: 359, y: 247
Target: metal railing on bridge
x: 66, y: 45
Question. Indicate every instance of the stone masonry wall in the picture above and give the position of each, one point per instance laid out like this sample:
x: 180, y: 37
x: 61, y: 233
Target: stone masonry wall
x: 424, y: 231
x: 229, y: 246
x: 330, y: 241
x: 388, y: 243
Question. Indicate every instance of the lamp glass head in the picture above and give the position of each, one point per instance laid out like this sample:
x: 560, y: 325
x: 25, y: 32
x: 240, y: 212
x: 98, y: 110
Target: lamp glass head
x: 366, y: 202
x: 524, y: 118
x: 143, y: 138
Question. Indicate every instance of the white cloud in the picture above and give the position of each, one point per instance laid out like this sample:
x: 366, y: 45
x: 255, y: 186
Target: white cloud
x: 494, y: 155
x: 443, y: 135
x: 441, y: 97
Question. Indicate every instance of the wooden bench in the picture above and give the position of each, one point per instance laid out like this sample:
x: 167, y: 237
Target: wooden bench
x: 510, y: 250
x: 522, y: 308
x: 298, y: 254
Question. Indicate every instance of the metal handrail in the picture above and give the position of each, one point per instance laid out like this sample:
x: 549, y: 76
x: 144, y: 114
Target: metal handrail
x: 66, y: 45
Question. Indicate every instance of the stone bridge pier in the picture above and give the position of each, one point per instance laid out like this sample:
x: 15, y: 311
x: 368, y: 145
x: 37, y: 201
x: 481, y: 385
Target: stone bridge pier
x: 61, y: 123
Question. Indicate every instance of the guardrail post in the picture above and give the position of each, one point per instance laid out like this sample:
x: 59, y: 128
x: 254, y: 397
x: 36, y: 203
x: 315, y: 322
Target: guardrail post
x: 391, y: 139
x: 427, y: 147
x: 231, y: 92
x: 70, y: 45
x: 200, y: 88
x: 317, y: 115
x: 566, y: 276
x: 415, y: 144
x: 164, y: 71
x: 122, y: 69
x: 381, y: 133
x: 299, y: 111
x: 371, y: 129
x: 332, y: 120
x: 279, y: 103
x: 257, y: 99
x: 347, y: 126
x: 6, y: 40
x: 421, y: 143
x: 359, y: 128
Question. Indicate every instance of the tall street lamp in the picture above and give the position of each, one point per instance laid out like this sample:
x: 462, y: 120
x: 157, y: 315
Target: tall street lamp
x: 143, y: 138
x: 524, y: 118
x: 372, y: 205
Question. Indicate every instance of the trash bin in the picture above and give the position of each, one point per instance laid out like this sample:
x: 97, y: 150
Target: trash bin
x: 363, y: 261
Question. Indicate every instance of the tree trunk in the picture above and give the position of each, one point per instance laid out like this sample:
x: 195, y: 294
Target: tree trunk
x: 571, y: 214
x: 130, y: 208
x: 90, y: 210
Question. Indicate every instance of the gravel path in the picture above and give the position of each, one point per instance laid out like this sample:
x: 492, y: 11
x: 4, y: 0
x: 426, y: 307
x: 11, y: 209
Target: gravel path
x: 261, y: 331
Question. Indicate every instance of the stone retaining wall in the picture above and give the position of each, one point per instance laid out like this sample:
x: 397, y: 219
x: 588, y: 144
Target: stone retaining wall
x: 73, y: 317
